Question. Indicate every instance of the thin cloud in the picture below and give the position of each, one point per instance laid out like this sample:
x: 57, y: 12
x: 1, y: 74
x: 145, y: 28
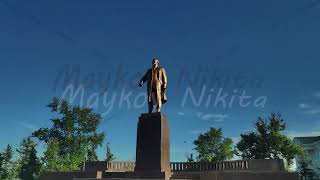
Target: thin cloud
x: 199, y: 114
x: 316, y: 94
x: 314, y: 111
x: 312, y: 107
x: 304, y: 105
x: 196, y: 131
x: 212, y: 117
x: 27, y: 125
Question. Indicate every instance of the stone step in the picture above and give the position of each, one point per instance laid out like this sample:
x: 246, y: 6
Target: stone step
x: 185, y: 175
x: 123, y: 179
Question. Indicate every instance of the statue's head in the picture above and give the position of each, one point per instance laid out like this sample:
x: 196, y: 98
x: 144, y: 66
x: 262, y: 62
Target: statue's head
x: 155, y: 62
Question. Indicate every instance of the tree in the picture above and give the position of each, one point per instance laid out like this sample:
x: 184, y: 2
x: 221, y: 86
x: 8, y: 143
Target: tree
x: 109, y: 156
x: 268, y: 142
x: 51, y: 159
x: 189, y: 157
x: 91, y: 154
x: 2, y: 170
x: 212, y: 146
x: 6, y: 164
x: 29, y: 164
x: 73, y: 137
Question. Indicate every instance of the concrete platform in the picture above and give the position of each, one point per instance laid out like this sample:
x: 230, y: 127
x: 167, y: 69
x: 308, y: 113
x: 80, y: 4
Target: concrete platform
x: 250, y: 175
x: 219, y: 175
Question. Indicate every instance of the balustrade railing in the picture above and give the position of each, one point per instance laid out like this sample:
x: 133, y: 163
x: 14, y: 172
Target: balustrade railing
x: 215, y: 166
x: 118, y: 166
x: 115, y: 166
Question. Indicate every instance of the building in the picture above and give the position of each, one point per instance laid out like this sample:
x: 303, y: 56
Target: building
x: 311, y: 147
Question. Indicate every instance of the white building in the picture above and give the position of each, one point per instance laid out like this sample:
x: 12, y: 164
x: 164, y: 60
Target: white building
x: 311, y: 146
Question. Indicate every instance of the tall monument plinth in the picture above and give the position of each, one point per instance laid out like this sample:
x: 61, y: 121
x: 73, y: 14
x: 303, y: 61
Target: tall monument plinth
x: 153, y: 147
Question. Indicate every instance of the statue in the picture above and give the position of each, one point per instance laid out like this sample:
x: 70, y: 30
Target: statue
x: 157, y: 85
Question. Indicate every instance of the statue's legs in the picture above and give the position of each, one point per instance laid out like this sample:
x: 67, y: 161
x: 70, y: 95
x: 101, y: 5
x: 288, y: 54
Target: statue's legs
x: 152, y: 101
x: 158, y: 96
x: 155, y: 97
x: 150, y: 104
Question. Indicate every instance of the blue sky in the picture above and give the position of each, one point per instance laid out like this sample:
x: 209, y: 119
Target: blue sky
x: 271, y: 47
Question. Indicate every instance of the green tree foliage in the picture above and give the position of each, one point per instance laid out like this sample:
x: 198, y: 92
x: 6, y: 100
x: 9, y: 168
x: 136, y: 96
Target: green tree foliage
x: 109, y: 156
x: 52, y: 159
x: 268, y: 142
x: 6, y: 163
x: 73, y: 137
x: 212, y: 146
x: 91, y: 154
x: 2, y: 170
x: 29, y: 164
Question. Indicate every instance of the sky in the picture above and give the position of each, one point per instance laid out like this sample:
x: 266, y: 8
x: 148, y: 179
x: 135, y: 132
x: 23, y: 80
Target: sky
x: 264, y: 50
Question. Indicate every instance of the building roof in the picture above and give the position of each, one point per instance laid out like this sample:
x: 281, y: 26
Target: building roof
x: 307, y: 140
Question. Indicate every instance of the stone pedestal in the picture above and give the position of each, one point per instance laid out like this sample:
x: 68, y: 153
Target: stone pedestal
x: 153, y: 147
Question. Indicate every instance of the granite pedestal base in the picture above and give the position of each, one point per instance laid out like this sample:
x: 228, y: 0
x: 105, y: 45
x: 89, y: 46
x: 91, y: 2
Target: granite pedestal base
x: 153, y: 147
